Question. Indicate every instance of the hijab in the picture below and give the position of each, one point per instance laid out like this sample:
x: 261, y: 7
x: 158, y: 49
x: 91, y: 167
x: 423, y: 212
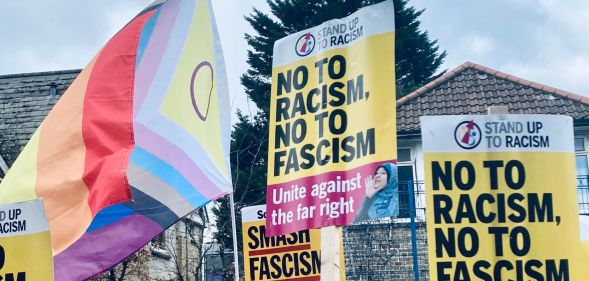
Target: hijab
x: 385, y: 202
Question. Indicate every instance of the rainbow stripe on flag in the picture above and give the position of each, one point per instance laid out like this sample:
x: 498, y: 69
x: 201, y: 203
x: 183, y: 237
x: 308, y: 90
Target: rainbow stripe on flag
x: 139, y: 140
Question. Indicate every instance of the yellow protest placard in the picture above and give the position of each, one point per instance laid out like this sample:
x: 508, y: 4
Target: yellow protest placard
x: 502, y: 199
x: 293, y: 256
x: 332, y: 123
x: 25, y: 244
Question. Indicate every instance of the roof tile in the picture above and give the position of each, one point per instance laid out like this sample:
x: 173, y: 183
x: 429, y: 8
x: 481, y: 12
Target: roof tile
x: 464, y: 90
x: 25, y: 100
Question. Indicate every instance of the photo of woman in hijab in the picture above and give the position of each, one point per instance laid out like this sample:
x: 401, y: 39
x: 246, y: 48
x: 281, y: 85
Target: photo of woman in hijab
x: 382, y: 194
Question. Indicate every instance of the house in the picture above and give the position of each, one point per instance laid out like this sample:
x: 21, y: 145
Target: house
x: 470, y: 89
x: 25, y: 100
x: 373, y: 251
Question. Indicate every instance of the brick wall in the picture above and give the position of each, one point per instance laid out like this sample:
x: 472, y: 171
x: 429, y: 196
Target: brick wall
x: 383, y: 251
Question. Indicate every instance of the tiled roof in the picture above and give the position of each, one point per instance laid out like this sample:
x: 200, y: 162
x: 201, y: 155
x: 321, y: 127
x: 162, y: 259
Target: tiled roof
x: 472, y: 88
x: 25, y: 100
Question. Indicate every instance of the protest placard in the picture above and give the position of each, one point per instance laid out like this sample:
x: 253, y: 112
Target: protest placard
x: 502, y: 198
x: 332, y: 123
x: 295, y: 256
x: 25, y: 244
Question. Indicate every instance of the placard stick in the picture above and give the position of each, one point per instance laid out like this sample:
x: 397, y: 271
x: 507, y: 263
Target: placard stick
x: 331, y: 251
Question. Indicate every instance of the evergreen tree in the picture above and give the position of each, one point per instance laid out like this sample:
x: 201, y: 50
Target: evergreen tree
x: 416, y: 57
x: 249, y: 149
x: 417, y: 60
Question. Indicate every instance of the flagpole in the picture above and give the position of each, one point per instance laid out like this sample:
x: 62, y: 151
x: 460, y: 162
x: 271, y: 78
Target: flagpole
x: 234, y: 230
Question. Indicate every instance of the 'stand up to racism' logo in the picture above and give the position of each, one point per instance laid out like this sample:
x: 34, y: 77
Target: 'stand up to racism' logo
x: 468, y: 134
x: 305, y: 45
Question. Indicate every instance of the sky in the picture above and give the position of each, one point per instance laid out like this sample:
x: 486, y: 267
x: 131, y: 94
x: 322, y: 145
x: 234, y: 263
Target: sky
x: 545, y: 41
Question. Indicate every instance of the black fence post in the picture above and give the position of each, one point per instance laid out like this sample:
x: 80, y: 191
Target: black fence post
x: 410, y: 189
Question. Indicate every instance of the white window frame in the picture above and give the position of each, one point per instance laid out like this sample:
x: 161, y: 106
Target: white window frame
x: 583, y: 152
x: 579, y: 181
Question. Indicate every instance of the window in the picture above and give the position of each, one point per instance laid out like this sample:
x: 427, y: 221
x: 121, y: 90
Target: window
x: 404, y: 155
x: 582, y: 170
x: 158, y: 246
x: 405, y: 183
x: 159, y: 241
x: 581, y: 164
x: 405, y: 176
x: 580, y: 144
